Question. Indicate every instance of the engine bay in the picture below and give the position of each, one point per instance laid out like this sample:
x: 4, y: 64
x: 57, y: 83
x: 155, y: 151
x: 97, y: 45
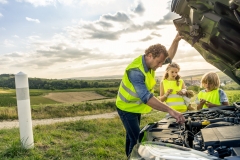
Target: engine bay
x: 215, y: 131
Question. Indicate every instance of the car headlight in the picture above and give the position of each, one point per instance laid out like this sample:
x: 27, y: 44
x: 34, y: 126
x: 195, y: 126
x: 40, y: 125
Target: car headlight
x: 163, y: 151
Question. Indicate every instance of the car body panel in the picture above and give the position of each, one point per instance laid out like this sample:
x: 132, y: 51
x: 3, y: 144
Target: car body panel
x: 213, y: 29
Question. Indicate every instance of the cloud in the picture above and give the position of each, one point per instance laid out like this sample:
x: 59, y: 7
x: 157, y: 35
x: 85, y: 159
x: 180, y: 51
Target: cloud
x: 8, y: 43
x: 103, y: 44
x: 171, y: 16
x: 13, y: 55
x: 1, y: 15
x: 105, y: 24
x: 105, y: 35
x: 32, y: 20
x: 102, y: 29
x: 33, y: 37
x: 118, y: 17
x: 156, y: 34
x: 139, y: 9
x: 15, y: 36
x: 3, y: 1
x: 146, y: 39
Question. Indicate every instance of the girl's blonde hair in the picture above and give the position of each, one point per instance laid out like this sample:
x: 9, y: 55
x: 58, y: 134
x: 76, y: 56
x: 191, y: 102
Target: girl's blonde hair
x: 172, y: 65
x: 210, y: 78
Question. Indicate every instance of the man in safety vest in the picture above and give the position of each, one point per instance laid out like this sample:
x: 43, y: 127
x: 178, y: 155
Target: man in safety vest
x: 135, y: 95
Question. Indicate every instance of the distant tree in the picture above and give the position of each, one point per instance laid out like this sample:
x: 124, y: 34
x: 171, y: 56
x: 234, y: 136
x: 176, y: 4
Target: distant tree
x: 8, y: 81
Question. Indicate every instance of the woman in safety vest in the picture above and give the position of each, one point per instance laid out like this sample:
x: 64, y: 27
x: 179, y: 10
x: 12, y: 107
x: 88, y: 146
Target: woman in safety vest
x: 172, y: 88
x: 211, y: 96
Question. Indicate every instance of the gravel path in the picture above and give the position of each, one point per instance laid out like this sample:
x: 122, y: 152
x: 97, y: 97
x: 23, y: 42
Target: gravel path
x: 15, y: 123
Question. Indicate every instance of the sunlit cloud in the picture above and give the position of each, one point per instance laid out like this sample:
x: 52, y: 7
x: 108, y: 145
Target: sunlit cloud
x: 104, y: 44
x: 8, y: 43
x: 32, y: 20
x: 15, y: 36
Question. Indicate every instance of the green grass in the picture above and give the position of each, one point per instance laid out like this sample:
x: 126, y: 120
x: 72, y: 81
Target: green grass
x: 233, y: 96
x: 92, y: 139
x: 9, y: 100
x: 38, y: 100
x: 36, y: 95
x: 61, y: 110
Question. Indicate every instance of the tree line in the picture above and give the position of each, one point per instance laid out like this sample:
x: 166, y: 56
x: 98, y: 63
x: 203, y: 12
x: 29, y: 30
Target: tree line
x: 8, y: 81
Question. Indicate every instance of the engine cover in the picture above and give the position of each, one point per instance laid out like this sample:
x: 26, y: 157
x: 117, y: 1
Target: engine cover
x: 221, y: 136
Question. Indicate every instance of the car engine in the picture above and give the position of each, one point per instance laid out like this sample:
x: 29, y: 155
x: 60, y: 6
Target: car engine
x: 215, y: 131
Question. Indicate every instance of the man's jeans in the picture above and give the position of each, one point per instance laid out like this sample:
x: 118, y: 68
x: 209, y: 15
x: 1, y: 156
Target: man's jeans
x: 131, y: 122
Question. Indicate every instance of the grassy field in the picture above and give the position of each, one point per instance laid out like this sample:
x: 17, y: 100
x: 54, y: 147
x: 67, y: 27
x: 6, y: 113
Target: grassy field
x: 40, y: 97
x: 62, y: 110
x: 46, y: 104
x: 233, y: 95
x: 94, y: 140
x: 66, y: 97
x: 101, y: 139
x: 68, y: 104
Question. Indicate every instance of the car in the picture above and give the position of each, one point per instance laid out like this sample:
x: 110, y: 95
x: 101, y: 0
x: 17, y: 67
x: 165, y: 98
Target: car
x: 212, y: 27
x: 209, y: 134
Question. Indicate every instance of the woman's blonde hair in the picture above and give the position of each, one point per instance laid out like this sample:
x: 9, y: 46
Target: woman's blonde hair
x: 210, y: 78
x: 172, y: 65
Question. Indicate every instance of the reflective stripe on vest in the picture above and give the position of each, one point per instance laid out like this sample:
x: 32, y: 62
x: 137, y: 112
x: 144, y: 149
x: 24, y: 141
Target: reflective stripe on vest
x: 174, y: 96
x: 129, y: 92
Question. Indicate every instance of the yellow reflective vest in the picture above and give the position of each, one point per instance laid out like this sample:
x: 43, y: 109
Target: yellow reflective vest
x: 174, y: 100
x: 212, y: 97
x: 127, y: 98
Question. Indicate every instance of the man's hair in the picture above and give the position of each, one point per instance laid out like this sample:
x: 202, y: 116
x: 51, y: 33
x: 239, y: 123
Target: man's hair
x: 156, y: 50
x: 211, y: 78
x: 172, y: 65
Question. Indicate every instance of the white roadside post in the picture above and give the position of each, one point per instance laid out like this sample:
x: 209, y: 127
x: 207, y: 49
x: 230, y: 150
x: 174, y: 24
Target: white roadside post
x: 24, y: 110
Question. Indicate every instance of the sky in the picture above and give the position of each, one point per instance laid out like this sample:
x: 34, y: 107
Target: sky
x: 86, y: 38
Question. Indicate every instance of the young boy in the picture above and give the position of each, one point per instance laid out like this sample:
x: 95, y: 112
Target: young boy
x: 211, y: 96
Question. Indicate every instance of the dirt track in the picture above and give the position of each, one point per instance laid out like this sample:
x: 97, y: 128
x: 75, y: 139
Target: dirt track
x: 15, y: 123
x: 74, y: 96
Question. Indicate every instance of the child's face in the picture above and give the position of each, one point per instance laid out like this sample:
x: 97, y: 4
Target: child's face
x: 172, y: 73
x: 208, y: 86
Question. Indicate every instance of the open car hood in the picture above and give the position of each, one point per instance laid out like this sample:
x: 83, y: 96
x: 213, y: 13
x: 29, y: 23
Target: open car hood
x: 213, y: 28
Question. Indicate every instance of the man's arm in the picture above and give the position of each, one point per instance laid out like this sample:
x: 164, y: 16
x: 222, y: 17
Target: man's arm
x: 136, y: 77
x: 173, y: 49
x: 156, y: 104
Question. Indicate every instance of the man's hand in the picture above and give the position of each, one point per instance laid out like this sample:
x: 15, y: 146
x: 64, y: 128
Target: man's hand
x: 178, y: 116
x: 178, y: 37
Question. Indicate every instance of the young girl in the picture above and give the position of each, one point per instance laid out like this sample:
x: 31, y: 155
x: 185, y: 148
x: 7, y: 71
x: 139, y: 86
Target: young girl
x: 211, y: 96
x: 172, y: 88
